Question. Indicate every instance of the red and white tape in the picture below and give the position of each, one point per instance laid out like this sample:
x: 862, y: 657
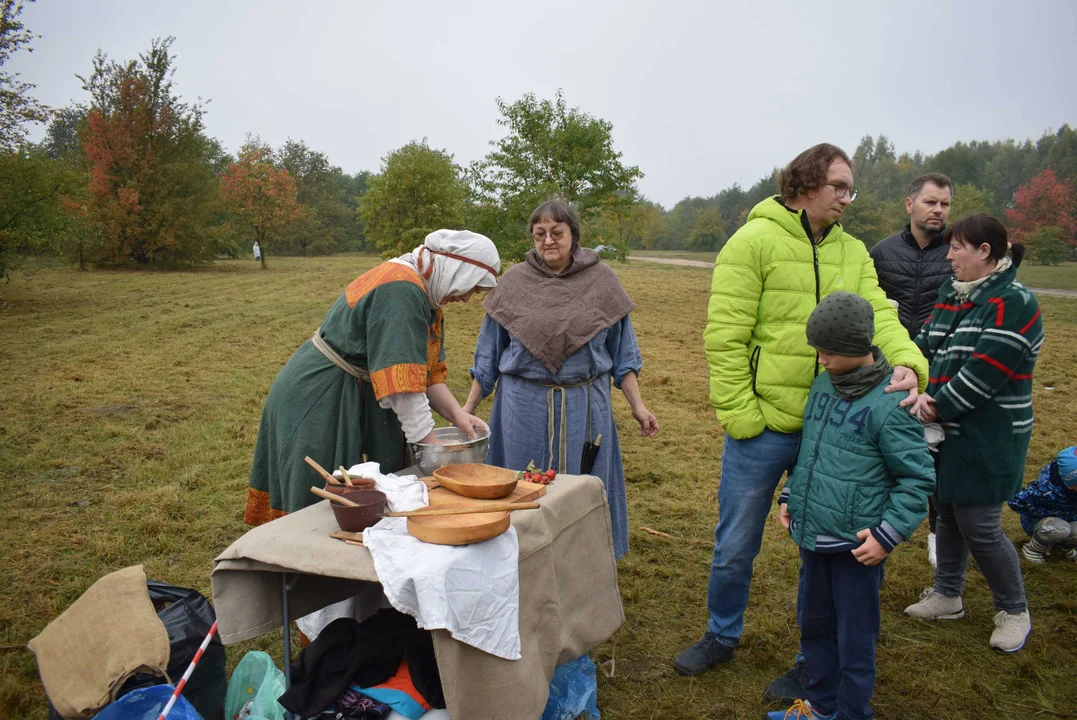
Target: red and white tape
x: 187, y: 675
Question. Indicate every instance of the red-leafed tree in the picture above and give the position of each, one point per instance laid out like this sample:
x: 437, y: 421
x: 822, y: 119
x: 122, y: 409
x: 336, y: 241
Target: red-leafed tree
x: 1045, y: 201
x: 260, y: 193
x: 151, y: 177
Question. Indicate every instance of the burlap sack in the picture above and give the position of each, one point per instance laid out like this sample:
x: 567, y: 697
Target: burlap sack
x: 107, y: 635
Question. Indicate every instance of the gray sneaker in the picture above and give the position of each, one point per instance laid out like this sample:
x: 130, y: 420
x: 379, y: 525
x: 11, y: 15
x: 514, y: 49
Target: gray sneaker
x: 702, y: 656
x: 934, y: 605
x: 1011, y: 631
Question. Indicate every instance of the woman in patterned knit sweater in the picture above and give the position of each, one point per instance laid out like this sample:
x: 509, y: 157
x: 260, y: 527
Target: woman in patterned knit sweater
x: 982, y: 341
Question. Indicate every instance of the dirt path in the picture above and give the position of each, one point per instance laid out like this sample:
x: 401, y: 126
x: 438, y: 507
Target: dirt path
x: 699, y: 263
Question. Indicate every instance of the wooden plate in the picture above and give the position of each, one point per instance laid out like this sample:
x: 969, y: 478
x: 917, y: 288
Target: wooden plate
x: 458, y: 529
x: 475, y: 480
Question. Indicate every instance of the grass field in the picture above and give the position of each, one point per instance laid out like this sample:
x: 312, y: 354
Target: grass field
x: 130, y: 408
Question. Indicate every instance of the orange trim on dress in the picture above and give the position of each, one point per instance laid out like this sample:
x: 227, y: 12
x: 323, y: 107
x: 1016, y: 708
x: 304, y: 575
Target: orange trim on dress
x: 387, y: 272
x: 406, y: 378
x: 259, y: 511
x: 437, y: 370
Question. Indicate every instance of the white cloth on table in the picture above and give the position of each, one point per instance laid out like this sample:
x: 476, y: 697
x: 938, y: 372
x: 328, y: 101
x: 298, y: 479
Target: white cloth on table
x: 402, y: 493
x: 473, y: 591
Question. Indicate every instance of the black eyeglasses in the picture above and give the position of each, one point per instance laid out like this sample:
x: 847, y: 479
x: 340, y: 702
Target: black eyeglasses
x: 841, y: 190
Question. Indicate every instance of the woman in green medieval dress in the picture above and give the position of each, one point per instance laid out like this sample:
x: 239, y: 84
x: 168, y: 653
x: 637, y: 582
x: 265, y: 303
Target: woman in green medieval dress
x: 367, y: 381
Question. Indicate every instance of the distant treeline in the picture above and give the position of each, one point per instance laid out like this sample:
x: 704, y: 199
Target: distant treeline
x: 987, y: 176
x: 130, y: 177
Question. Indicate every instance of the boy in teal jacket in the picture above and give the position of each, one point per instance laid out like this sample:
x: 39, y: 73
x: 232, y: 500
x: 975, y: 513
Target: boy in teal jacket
x: 860, y: 487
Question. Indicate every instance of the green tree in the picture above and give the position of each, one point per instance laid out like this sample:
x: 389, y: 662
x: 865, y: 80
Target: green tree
x: 152, y: 184
x: 550, y: 150
x: 327, y: 216
x: 17, y: 107
x: 708, y: 231
x: 419, y: 190
x: 870, y: 220
x: 971, y: 200
x: 1047, y: 244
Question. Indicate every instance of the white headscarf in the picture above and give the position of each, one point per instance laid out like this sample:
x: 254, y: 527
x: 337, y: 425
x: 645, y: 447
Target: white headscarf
x: 446, y: 276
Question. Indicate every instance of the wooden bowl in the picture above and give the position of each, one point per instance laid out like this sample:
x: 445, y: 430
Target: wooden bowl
x: 475, y: 480
x: 458, y: 529
x: 357, y: 519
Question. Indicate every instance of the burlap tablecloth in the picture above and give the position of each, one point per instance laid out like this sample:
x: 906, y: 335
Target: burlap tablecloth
x: 569, y: 601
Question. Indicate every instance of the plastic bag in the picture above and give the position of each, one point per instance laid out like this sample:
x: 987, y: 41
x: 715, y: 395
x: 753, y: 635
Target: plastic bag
x: 187, y: 617
x: 254, y: 688
x: 573, y: 691
x: 147, y: 704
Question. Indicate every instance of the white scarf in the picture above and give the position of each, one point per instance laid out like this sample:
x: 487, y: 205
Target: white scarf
x: 445, y: 276
x: 965, y: 288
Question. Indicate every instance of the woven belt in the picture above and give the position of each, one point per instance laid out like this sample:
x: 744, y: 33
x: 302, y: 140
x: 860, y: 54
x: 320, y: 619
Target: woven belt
x: 331, y: 355
x: 562, y: 446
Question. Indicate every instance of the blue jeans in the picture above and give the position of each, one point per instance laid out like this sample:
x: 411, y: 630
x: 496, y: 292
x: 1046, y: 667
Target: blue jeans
x: 839, y: 628
x: 751, y: 470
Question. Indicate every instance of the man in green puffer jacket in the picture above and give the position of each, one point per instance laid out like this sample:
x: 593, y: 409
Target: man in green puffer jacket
x: 860, y: 486
x: 767, y: 279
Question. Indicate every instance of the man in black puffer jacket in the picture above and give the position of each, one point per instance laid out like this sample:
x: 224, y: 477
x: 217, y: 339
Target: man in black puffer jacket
x: 912, y: 265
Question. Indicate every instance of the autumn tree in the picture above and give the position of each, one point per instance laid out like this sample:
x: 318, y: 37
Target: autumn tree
x: 550, y: 150
x: 419, y: 190
x: 261, y: 194
x: 151, y: 176
x: 1044, y: 202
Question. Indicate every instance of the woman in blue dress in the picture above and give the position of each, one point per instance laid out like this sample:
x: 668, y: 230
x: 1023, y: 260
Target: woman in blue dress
x: 556, y: 333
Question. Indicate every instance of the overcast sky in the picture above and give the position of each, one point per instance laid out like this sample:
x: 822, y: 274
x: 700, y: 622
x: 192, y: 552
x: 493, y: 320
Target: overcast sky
x: 700, y: 94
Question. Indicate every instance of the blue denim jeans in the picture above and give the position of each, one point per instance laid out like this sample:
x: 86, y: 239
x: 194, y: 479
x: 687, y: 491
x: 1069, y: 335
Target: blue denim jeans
x: 839, y: 628
x: 751, y: 470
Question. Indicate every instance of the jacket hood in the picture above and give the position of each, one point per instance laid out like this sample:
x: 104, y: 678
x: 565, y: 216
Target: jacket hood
x: 789, y: 220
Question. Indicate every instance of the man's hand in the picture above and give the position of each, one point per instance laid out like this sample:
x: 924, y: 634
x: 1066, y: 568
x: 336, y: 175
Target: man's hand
x: 783, y: 515
x: 870, y: 552
x: 904, y: 379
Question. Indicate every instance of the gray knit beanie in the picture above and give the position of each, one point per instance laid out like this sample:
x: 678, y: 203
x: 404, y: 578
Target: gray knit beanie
x: 843, y: 324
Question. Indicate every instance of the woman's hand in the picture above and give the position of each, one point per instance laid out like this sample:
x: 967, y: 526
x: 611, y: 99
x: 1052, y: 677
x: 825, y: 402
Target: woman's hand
x: 904, y: 379
x: 924, y: 409
x: 469, y: 423
x: 648, y: 423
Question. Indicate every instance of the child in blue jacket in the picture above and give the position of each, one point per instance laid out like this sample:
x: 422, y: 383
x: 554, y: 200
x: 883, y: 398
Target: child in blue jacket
x: 1048, y: 509
x: 860, y: 486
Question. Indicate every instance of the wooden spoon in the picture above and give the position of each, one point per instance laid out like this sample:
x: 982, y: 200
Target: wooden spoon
x: 347, y: 478
x: 339, y: 499
x: 321, y: 471
x: 465, y: 510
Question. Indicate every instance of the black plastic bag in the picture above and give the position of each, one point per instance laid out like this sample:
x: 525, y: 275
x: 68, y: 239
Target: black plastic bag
x: 187, y: 616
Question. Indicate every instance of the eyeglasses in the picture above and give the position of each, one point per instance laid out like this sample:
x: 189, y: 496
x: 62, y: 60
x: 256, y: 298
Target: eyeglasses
x: 841, y: 190
x: 557, y: 235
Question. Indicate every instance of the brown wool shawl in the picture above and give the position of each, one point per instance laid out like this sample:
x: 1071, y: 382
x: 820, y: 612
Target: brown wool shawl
x: 554, y: 315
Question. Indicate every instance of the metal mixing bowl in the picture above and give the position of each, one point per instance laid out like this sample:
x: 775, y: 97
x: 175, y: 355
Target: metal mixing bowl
x: 456, y: 450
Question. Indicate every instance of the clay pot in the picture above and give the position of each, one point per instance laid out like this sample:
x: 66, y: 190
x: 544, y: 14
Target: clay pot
x: 356, y: 519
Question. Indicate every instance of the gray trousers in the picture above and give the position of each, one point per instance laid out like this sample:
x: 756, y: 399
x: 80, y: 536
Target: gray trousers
x: 977, y: 529
x: 1053, y: 530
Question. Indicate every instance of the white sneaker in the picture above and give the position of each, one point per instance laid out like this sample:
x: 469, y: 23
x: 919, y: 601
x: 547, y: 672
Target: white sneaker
x: 932, y: 555
x: 935, y: 606
x: 1011, y: 631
